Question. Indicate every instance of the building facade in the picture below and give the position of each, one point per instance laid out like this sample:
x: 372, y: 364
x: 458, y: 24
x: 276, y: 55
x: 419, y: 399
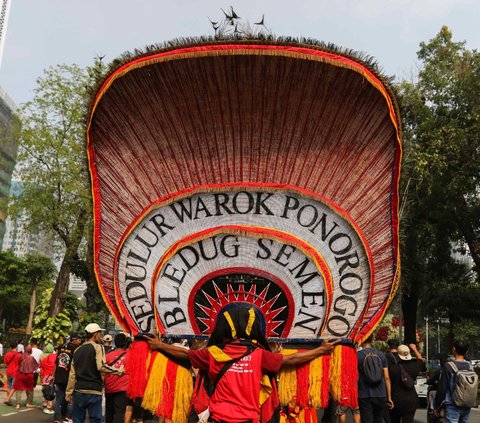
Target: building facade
x: 8, y: 153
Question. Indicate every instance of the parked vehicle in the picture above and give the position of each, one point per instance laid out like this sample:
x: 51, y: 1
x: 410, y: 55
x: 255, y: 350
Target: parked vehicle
x: 422, y: 389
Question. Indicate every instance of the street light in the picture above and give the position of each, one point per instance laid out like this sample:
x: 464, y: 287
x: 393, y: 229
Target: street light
x: 426, y: 338
x: 443, y: 321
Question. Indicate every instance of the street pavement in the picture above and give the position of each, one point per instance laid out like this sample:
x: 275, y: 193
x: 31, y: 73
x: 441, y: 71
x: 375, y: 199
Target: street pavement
x: 9, y: 414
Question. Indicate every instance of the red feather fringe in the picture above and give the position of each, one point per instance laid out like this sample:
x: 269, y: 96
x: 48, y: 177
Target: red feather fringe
x: 303, y: 378
x: 136, y: 367
x: 349, y: 393
x: 325, y: 382
x: 165, y: 408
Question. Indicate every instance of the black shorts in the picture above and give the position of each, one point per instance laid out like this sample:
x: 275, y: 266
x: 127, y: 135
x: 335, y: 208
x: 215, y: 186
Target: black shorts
x: 139, y: 413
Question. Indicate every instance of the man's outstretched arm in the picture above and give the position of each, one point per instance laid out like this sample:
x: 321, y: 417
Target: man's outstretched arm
x: 306, y: 356
x: 177, y: 352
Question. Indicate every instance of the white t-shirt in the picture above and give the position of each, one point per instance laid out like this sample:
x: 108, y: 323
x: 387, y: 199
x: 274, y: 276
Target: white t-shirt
x: 36, y: 353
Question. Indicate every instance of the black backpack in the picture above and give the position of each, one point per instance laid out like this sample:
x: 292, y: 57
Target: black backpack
x: 372, y: 366
x: 48, y: 392
x: 406, y: 379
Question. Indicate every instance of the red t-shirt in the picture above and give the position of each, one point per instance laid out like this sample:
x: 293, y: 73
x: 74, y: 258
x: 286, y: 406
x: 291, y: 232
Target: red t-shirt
x: 236, y: 397
x: 115, y: 383
x: 47, y: 365
x: 12, y: 358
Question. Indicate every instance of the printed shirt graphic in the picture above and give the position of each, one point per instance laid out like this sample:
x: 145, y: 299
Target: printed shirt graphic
x: 114, y: 383
x: 236, y: 396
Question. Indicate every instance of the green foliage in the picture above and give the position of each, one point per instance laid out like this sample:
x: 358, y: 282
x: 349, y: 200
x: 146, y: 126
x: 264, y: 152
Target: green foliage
x: 52, y: 156
x: 39, y: 268
x: 14, y: 288
x: 441, y: 182
x: 54, y: 329
x: 17, y: 278
x: 52, y: 163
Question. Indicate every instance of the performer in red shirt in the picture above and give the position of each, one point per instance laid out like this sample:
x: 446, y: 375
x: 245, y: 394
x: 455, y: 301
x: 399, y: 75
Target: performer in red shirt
x: 239, y: 342
x: 116, y: 385
x: 11, y: 360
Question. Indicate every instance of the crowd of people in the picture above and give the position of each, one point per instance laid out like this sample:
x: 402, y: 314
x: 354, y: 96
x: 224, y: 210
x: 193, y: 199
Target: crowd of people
x: 88, y: 376
x: 73, y: 377
x: 394, y: 398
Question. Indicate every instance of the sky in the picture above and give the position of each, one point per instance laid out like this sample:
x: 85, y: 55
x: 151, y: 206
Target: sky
x: 44, y: 33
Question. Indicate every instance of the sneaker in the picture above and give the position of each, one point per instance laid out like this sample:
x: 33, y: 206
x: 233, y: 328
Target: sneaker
x: 48, y: 411
x: 67, y: 420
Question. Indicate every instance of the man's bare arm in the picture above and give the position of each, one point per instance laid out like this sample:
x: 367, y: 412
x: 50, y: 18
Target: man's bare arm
x: 177, y: 352
x: 388, y: 387
x: 306, y: 356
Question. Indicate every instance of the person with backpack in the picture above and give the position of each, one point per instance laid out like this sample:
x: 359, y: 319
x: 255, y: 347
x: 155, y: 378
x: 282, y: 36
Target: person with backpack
x: 116, y: 386
x: 236, y: 360
x: 457, y: 387
x: 63, y: 362
x: 403, y: 373
x: 374, y: 394
x: 47, y: 369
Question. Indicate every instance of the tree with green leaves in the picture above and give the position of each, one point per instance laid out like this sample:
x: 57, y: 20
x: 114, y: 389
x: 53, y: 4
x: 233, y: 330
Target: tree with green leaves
x: 52, y: 165
x: 14, y: 288
x: 37, y: 269
x: 56, y: 328
x: 441, y: 181
x: 19, y: 281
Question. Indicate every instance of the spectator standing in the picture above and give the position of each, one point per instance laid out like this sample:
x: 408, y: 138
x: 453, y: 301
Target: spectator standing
x: 116, y: 386
x: 446, y: 386
x: 23, y: 381
x: 403, y: 373
x: 11, y: 360
x: 107, y: 343
x: 392, y: 353
x: 85, y: 382
x: 374, y: 393
x: 62, y: 411
x: 392, y: 358
x: 36, y: 354
x: 47, y: 369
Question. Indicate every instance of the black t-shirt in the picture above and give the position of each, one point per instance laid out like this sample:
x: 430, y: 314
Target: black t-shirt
x: 63, y: 364
x: 399, y: 391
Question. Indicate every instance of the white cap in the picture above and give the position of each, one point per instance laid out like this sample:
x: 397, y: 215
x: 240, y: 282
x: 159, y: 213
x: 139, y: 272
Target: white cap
x: 107, y: 338
x: 404, y: 352
x: 93, y: 327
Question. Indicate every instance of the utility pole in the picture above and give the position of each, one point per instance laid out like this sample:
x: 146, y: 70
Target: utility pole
x: 426, y: 338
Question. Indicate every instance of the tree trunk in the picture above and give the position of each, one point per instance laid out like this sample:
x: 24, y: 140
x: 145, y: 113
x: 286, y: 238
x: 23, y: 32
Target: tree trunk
x: 63, y: 279
x: 33, y: 303
x: 92, y: 294
x: 409, y: 308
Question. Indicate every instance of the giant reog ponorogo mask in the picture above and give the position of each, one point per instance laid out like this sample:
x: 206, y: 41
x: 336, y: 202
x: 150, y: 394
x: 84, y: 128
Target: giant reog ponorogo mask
x: 258, y: 172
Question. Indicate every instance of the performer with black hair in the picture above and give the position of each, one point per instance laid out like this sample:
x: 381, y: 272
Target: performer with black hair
x: 238, y: 351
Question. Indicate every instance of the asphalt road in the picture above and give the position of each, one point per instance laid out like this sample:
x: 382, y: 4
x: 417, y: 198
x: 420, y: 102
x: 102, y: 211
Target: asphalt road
x: 32, y: 415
